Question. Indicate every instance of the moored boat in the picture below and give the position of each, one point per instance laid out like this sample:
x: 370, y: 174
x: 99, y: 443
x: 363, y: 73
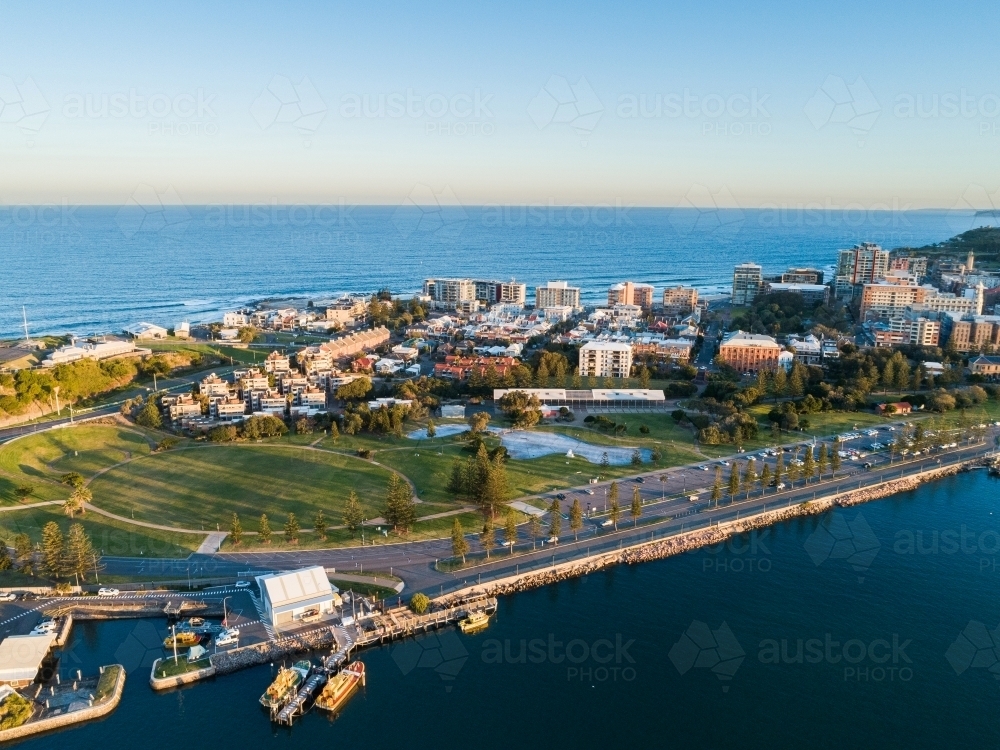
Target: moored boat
x: 184, y: 639
x: 474, y: 622
x: 285, y: 684
x: 341, y: 686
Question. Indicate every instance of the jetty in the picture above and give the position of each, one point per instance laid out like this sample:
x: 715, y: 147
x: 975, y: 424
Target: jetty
x: 297, y: 706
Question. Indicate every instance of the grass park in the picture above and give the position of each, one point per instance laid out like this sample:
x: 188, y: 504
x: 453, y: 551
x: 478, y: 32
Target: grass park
x: 196, y: 486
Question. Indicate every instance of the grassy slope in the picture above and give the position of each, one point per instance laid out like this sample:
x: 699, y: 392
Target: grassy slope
x: 205, y: 485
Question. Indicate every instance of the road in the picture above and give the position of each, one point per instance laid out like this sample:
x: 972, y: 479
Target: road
x: 666, y: 510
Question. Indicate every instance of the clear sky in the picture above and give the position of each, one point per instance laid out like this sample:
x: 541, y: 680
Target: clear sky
x: 657, y: 103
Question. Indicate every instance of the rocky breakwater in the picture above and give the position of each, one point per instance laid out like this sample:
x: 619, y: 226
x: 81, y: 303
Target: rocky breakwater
x: 692, y: 540
x: 269, y: 651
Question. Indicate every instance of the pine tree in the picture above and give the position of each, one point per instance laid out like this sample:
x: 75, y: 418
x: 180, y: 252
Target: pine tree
x: 534, y: 528
x: 614, y: 509
x: 391, y: 513
x: 555, y: 519
x: 822, y: 460
x: 264, y: 529
x: 496, y: 489
x: 292, y: 529
x: 793, y: 469
x: 749, y: 476
x: 796, y: 386
x: 319, y: 524
x: 236, y: 530
x: 717, y: 486
x: 734, y: 481
x: 765, y: 477
x: 334, y: 431
x: 431, y: 429
x: 835, y: 458
x: 636, y: 510
x: 488, y: 535
x: 459, y: 545
x: 779, y: 383
x: 576, y: 518
x: 809, y: 466
x: 510, y: 529
x: 456, y: 480
x: 80, y: 553
x: 353, y: 514
x: 779, y: 467
x: 24, y: 554
x: 53, y: 549
x: 406, y: 508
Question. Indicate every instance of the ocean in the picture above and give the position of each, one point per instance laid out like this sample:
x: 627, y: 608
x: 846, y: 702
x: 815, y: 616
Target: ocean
x: 87, y: 270
x: 873, y: 626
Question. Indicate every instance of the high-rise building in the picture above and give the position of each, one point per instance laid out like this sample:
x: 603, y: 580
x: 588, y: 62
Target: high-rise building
x: 606, y: 359
x: 460, y: 293
x: 862, y: 264
x: 557, y: 294
x: 628, y: 293
x: 747, y: 283
x: 679, y: 300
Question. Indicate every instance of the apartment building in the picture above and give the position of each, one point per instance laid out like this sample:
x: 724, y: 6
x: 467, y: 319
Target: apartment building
x: 501, y: 292
x: 679, y: 300
x: 749, y: 352
x: 810, y: 293
x: 975, y: 333
x: 629, y: 293
x: 277, y: 363
x: 229, y: 408
x: 449, y: 293
x: 345, y: 346
x: 888, y: 300
x: 862, y: 264
x: 214, y: 387
x: 606, y: 359
x: 557, y: 294
x: 802, y: 276
x: 911, y: 328
x: 660, y: 347
x: 747, y: 283
x: 915, y: 265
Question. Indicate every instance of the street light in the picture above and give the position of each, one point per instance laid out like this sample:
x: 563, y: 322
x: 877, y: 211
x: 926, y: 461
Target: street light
x: 225, y: 615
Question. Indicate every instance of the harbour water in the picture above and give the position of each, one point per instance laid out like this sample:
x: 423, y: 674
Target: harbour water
x: 868, y: 627
x: 97, y: 269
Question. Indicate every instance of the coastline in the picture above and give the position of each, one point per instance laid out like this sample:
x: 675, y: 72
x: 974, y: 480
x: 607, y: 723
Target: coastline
x: 697, y: 539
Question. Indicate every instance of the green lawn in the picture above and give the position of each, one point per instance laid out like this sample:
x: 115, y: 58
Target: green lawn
x: 109, y: 537
x: 202, y: 486
x: 40, y: 460
x: 167, y: 667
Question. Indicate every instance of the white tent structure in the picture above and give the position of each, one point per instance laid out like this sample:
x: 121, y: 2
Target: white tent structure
x: 21, y: 657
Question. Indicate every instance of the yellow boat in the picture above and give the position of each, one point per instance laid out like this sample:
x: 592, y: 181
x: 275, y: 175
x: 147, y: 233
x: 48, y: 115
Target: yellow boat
x: 474, y: 622
x: 285, y: 684
x: 182, y: 640
x: 341, y: 686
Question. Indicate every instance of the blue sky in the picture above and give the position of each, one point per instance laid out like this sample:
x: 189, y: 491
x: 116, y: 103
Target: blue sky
x: 787, y: 104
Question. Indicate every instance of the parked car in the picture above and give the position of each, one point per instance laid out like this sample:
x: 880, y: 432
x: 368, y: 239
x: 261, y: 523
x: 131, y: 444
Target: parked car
x: 243, y: 584
x: 640, y: 480
x: 589, y: 491
x: 4, y: 597
x: 108, y: 592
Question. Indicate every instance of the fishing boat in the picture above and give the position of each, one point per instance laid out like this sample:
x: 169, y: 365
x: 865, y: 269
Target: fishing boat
x: 341, y: 686
x: 476, y: 621
x: 196, y: 622
x: 183, y: 639
x: 285, y: 684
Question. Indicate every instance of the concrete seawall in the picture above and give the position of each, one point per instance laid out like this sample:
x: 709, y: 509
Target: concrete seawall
x: 64, y: 720
x: 165, y: 683
x: 692, y: 540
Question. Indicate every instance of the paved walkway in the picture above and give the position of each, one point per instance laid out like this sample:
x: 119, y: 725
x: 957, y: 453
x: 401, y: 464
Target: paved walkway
x: 31, y: 505
x: 212, y: 543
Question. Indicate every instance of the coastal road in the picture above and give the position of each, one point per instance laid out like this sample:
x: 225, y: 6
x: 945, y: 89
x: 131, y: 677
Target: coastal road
x: 666, y: 510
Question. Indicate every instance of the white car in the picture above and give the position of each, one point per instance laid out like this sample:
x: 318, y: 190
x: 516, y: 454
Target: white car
x: 553, y: 539
x: 44, y: 627
x: 243, y: 584
x: 704, y: 468
x: 108, y: 592
x: 7, y: 597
